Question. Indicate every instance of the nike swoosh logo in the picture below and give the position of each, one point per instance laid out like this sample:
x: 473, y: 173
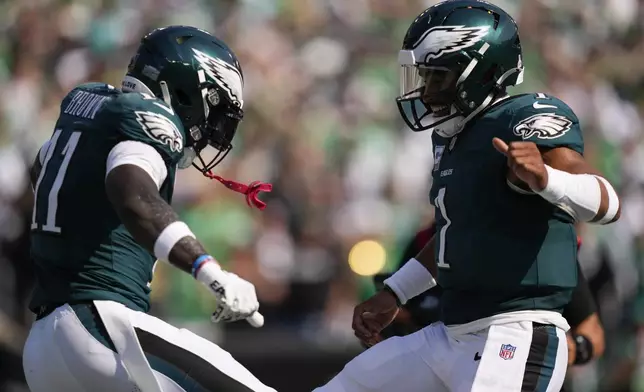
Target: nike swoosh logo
x: 538, y: 105
x: 167, y: 109
x: 477, y: 357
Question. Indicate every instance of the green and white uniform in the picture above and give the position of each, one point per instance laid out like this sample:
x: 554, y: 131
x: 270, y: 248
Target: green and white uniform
x: 92, y: 290
x: 507, y: 266
x: 80, y: 249
x: 499, y: 248
x: 506, y: 258
x: 92, y: 330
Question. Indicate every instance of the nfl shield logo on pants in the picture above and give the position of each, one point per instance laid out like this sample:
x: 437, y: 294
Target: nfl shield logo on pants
x: 507, y: 351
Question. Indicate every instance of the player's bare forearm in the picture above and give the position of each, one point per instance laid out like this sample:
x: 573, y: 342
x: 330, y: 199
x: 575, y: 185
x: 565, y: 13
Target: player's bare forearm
x: 145, y: 214
x: 570, y: 161
x: 427, y: 256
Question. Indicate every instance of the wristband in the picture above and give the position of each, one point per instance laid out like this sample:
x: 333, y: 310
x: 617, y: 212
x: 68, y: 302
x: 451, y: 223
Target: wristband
x: 199, y: 262
x: 583, y: 350
x: 173, y: 233
x: 410, y: 280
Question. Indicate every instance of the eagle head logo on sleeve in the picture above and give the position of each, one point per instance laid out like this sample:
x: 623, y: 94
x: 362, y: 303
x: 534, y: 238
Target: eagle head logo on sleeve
x: 442, y: 40
x: 161, y: 129
x: 543, y: 126
x: 225, y: 75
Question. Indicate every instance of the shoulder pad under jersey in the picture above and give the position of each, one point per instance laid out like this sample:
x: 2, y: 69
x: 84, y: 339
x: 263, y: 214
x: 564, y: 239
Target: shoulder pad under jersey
x: 147, y: 119
x: 544, y: 120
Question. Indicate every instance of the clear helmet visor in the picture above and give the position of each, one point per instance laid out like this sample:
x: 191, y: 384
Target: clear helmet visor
x: 417, y: 81
x: 427, y: 95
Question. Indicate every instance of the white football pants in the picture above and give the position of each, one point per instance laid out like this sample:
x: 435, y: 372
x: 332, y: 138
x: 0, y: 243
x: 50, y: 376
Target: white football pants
x: 513, y: 357
x: 152, y: 356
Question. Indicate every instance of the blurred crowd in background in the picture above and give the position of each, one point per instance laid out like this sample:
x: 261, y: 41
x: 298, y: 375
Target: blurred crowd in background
x: 350, y: 181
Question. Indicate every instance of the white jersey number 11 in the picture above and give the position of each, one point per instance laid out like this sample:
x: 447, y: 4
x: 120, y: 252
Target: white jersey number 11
x: 52, y: 198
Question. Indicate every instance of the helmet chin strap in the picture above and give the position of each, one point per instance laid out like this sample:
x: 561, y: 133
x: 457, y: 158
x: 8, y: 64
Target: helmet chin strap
x: 455, y: 125
x: 488, y: 100
x: 449, y: 127
x: 250, y: 191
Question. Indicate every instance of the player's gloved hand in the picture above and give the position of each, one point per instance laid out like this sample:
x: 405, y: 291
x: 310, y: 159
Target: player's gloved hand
x: 373, y: 315
x: 525, y: 161
x: 236, y: 297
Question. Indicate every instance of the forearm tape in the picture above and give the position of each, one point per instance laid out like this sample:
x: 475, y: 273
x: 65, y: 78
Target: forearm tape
x: 579, y: 195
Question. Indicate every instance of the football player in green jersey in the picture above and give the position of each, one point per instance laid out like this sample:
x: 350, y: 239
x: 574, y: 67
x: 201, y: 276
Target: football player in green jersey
x: 509, y: 182
x: 102, y: 218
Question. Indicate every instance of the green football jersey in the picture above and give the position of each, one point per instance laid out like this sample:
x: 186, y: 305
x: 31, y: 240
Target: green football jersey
x: 501, y: 249
x: 80, y: 249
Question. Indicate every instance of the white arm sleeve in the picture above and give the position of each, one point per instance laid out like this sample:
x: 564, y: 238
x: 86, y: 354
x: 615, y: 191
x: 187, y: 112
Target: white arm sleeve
x: 131, y: 152
x: 579, y: 195
x: 42, y: 153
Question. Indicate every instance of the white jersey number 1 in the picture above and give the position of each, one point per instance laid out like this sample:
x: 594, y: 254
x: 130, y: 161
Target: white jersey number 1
x: 440, y: 203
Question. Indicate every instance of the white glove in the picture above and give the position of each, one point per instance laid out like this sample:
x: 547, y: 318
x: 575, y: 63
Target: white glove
x: 236, y: 297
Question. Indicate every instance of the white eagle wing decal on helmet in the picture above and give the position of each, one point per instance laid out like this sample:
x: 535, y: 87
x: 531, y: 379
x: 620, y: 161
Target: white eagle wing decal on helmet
x: 224, y: 74
x: 161, y: 129
x: 441, y: 40
x: 543, y: 126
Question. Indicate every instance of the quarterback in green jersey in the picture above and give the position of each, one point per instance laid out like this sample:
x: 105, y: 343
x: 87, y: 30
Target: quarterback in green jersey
x: 103, y: 185
x: 509, y: 182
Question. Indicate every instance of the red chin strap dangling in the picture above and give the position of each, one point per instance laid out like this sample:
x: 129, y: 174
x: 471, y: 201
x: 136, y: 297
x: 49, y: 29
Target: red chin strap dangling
x: 251, y: 191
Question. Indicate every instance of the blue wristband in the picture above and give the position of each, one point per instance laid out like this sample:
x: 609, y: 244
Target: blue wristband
x: 199, y: 262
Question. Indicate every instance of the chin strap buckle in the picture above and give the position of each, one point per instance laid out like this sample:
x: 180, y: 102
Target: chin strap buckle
x: 251, y: 191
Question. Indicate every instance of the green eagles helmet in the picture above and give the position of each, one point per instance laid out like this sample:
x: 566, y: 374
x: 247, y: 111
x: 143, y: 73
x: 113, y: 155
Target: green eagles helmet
x: 457, y: 58
x: 199, y: 76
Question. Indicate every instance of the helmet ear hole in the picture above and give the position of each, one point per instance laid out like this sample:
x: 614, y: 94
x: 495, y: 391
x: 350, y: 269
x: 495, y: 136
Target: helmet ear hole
x: 182, y: 98
x: 489, y: 74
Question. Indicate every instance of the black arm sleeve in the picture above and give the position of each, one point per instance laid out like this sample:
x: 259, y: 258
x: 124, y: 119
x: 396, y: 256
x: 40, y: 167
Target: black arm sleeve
x: 582, y: 304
